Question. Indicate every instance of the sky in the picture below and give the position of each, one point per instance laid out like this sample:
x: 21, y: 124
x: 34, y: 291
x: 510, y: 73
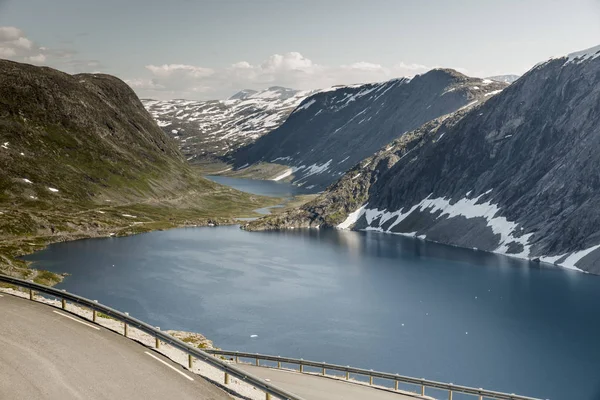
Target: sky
x: 210, y: 49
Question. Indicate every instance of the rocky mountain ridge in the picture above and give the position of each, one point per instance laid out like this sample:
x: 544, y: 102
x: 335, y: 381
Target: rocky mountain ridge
x: 515, y: 175
x: 333, y: 129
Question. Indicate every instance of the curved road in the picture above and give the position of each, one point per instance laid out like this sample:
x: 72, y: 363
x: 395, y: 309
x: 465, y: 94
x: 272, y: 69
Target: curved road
x: 315, y: 387
x: 48, y: 354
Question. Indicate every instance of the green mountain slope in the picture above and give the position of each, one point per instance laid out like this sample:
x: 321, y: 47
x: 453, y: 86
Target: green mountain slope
x: 81, y: 157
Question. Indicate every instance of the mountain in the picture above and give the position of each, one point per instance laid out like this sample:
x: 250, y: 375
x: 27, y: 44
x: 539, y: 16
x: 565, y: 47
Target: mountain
x: 517, y: 175
x: 333, y: 129
x: 243, y: 94
x: 81, y: 157
x: 504, y: 78
x: 215, y: 128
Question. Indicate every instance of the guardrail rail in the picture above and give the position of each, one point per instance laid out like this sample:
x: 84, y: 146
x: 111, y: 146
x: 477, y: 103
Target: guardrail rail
x: 323, y: 367
x: 128, y: 321
x: 210, y: 355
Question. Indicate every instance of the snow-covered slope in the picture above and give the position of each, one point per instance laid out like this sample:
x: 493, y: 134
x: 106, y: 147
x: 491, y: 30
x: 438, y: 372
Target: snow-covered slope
x: 334, y: 129
x: 214, y: 128
x: 504, y: 78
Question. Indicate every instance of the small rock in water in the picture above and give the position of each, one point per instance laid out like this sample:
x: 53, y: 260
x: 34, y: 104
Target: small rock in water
x: 253, y: 336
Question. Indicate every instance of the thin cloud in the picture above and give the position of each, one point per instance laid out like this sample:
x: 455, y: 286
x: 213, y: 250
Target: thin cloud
x: 16, y: 46
x: 290, y: 69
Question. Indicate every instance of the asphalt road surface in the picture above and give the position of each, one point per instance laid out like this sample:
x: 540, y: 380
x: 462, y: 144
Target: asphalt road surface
x: 46, y: 353
x: 314, y: 387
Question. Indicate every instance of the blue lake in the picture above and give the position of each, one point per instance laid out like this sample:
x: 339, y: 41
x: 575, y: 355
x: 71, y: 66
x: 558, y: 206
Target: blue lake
x: 364, y: 299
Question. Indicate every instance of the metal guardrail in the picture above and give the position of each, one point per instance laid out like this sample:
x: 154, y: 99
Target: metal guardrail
x: 208, y: 355
x: 423, y: 383
x: 193, y: 352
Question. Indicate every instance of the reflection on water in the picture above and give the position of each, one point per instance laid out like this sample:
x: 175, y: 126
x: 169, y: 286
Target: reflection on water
x: 366, y: 299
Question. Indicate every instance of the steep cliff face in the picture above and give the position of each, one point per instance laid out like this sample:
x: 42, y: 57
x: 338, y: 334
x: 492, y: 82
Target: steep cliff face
x: 332, y: 130
x: 517, y: 175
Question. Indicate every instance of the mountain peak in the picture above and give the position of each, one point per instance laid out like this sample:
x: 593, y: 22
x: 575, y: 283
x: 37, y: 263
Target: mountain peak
x: 508, y: 78
x: 243, y: 94
x: 273, y: 92
x: 583, y: 55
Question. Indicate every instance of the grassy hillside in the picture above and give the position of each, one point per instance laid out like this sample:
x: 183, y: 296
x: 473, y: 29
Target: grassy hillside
x: 81, y: 157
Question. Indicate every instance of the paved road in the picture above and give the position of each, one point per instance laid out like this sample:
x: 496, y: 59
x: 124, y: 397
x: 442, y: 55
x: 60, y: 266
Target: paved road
x: 46, y: 354
x: 313, y: 387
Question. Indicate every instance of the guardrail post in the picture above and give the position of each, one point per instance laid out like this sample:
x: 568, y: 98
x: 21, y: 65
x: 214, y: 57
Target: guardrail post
x: 323, y: 369
x: 157, y: 340
x: 64, y: 302
x: 226, y: 379
x: 395, y: 385
x: 94, y: 312
x: 31, y: 294
x: 301, y: 368
x: 449, y: 394
x: 422, y: 387
x: 190, y: 361
x: 371, y: 380
x: 268, y: 396
x: 278, y: 364
x: 125, y: 327
x: 257, y: 362
x: 347, y: 375
x: 237, y: 359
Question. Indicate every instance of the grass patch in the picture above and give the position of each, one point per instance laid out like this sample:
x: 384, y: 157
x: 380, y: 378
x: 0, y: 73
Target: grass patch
x: 46, y: 278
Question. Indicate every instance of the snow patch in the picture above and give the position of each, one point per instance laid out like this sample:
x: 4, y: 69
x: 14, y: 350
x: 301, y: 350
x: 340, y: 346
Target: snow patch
x: 352, y: 218
x: 584, y: 55
x: 466, y: 207
x: 53, y: 190
x: 287, y: 173
x: 27, y: 180
x: 316, y: 169
x: 493, y: 92
x: 469, y: 105
x: 282, y: 159
x: 574, y: 258
x: 305, y: 105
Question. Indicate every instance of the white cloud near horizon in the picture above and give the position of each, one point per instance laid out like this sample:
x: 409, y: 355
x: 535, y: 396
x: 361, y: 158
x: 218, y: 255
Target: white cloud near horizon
x: 168, y: 81
x: 16, y: 46
x: 290, y: 70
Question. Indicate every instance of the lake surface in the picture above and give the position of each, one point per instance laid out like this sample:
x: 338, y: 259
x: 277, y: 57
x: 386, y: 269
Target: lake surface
x: 260, y: 187
x: 364, y: 299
